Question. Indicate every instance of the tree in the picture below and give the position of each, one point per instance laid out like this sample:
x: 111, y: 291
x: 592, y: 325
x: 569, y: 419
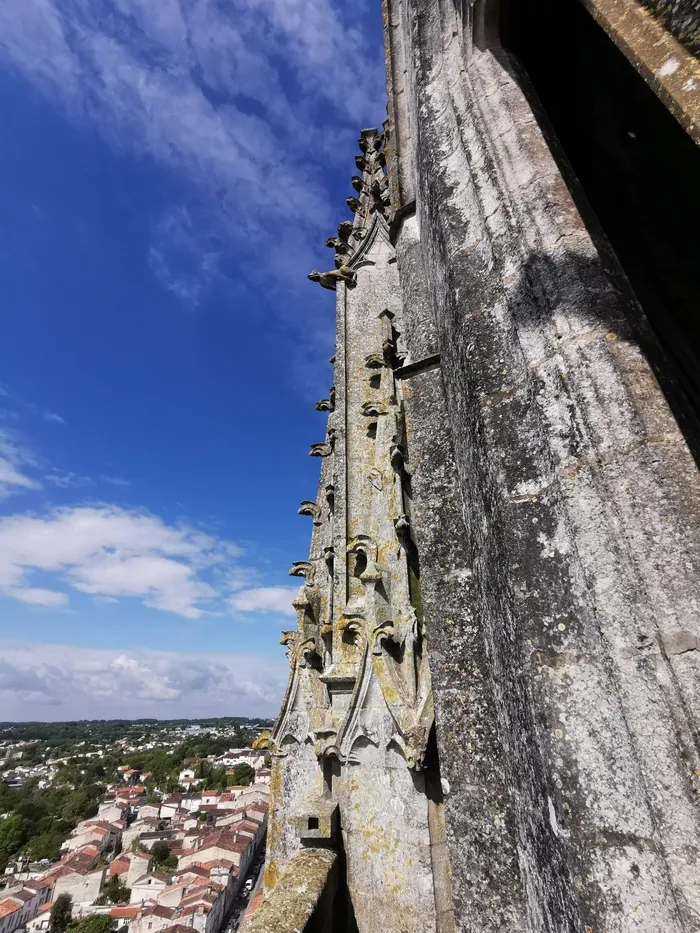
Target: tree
x: 12, y: 835
x: 94, y: 923
x: 45, y: 845
x: 61, y: 913
x: 163, y: 857
x: 243, y: 774
x: 115, y: 892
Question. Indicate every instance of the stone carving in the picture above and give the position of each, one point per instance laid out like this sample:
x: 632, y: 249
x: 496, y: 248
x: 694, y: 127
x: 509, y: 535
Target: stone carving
x: 331, y: 279
x: 324, y: 404
x: 303, y: 568
x: 320, y: 450
x: 312, y: 509
x: 353, y: 203
x: 374, y: 409
x: 376, y: 478
x: 374, y: 361
x: 396, y: 454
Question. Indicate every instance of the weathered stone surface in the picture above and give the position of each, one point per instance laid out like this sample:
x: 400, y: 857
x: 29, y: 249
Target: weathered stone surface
x: 303, y: 896
x: 580, y: 508
x: 492, y: 711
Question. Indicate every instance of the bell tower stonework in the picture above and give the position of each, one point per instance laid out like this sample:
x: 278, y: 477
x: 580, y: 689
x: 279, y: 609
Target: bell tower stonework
x: 492, y: 721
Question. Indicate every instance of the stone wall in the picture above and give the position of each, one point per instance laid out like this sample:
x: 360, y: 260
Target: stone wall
x: 556, y: 514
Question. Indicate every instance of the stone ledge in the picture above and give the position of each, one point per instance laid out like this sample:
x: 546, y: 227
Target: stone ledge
x: 291, y: 904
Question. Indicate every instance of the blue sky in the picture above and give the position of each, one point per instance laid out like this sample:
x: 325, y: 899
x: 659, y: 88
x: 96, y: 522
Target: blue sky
x: 169, y: 171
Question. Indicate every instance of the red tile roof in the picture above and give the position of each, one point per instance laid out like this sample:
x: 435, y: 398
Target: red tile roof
x: 119, y: 865
x: 129, y: 911
x: 8, y: 906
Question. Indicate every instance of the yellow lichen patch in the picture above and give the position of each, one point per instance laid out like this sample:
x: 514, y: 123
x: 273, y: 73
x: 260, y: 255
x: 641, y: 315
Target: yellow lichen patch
x: 271, y: 875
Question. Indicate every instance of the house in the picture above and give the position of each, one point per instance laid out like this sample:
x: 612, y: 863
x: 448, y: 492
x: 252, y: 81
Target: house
x: 19, y: 908
x: 171, y: 895
x: 263, y: 775
x: 41, y: 920
x: 82, y: 884
x: 149, y: 839
x: 149, y: 810
x: 119, y: 866
x: 147, y: 887
x: 221, y: 844
x: 152, y: 918
x: 145, y: 825
x: 139, y: 863
x: 123, y: 915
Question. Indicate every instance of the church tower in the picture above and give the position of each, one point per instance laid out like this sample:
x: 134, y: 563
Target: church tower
x: 492, y: 721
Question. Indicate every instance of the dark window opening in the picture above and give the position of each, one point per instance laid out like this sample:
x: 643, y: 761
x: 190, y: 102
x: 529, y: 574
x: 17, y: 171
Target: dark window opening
x: 313, y: 822
x: 636, y: 177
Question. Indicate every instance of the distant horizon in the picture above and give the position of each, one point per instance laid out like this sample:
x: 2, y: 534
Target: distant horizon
x: 116, y: 719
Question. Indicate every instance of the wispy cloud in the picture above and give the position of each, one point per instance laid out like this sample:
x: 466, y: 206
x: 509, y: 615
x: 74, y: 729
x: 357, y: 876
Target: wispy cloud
x: 15, y: 457
x: 59, y: 682
x: 244, y: 99
x: 265, y: 599
x: 65, y: 479
x: 52, y: 417
x: 115, y: 481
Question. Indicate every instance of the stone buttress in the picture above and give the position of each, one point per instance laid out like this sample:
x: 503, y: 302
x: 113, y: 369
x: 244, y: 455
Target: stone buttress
x: 350, y: 744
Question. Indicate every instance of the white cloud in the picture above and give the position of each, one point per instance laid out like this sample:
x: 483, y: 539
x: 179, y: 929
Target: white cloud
x: 265, y: 599
x: 244, y: 99
x: 106, y: 551
x: 39, y: 681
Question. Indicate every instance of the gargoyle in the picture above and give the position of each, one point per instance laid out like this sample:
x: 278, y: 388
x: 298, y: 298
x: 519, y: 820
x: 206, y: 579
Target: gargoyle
x: 303, y: 568
x: 353, y: 204
x: 312, y: 509
x: 331, y: 279
x: 356, y: 182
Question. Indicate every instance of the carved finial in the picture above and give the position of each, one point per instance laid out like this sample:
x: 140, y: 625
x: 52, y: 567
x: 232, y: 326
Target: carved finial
x: 331, y: 279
